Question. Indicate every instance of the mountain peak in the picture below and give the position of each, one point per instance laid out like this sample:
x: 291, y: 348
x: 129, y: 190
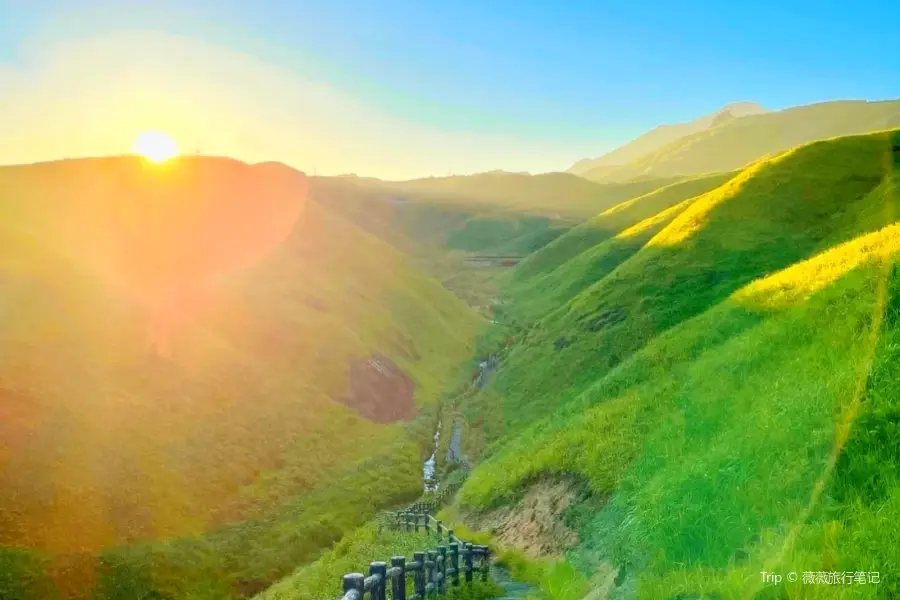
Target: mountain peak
x: 743, y: 108
x: 663, y: 134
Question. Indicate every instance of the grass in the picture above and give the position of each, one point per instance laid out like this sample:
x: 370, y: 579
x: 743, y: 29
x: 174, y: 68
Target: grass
x: 553, y: 579
x: 124, y: 472
x: 561, y: 270
x: 728, y: 388
x: 321, y: 579
x: 716, y: 360
x: 739, y: 142
x: 613, y: 221
x: 559, y: 195
x: 441, y: 220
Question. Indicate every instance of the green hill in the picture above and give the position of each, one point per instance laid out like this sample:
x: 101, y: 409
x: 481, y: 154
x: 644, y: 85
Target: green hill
x: 736, y: 142
x: 558, y: 195
x: 614, y: 220
x: 657, y: 138
x: 206, y: 378
x: 723, y: 396
x: 440, y: 221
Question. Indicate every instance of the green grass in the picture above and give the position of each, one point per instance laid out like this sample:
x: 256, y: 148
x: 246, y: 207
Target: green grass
x: 557, y: 195
x: 710, y: 381
x: 720, y: 243
x: 738, y: 142
x: 234, y: 459
x: 598, y: 169
x: 613, y: 221
x: 561, y: 270
x: 321, y: 579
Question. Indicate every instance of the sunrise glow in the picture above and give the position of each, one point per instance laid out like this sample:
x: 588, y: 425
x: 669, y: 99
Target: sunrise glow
x: 155, y: 146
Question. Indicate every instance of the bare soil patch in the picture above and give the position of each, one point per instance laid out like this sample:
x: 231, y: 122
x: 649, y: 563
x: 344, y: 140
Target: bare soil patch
x: 380, y: 391
x: 535, y: 525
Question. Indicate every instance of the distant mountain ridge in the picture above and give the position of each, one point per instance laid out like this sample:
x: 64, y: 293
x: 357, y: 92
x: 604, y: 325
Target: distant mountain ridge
x: 662, y: 135
x: 730, y: 139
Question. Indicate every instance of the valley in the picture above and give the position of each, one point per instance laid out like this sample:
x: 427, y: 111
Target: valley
x: 215, y: 376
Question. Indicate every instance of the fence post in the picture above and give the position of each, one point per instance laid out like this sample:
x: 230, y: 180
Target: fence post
x: 416, y: 521
x: 485, y: 563
x: 427, y: 525
x: 467, y: 556
x: 449, y: 536
x: 398, y: 581
x: 439, y: 527
x: 432, y: 570
x: 378, y: 568
x: 419, y: 577
x: 454, y: 562
x: 442, y: 567
x: 354, y: 581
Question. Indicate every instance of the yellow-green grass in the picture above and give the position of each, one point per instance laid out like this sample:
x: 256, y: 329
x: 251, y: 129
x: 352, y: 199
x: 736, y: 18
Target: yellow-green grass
x: 554, y: 578
x: 614, y: 221
x: 527, y: 301
x: 737, y: 142
x: 775, y: 213
x: 320, y: 580
x: 237, y: 451
x: 561, y: 194
x: 742, y: 417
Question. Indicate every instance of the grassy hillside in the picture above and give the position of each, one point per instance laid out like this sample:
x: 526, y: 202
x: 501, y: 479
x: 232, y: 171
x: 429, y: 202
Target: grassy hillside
x: 559, y: 271
x: 737, y: 142
x: 558, y: 195
x: 658, y: 137
x: 187, y: 402
x: 418, y: 223
x: 725, y: 393
x: 613, y: 221
x: 440, y: 221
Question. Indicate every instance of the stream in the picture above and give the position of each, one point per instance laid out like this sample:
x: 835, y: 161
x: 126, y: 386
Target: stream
x: 429, y: 479
x: 512, y: 590
x: 486, y: 369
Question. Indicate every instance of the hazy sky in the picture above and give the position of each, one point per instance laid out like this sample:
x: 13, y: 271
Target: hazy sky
x: 404, y: 88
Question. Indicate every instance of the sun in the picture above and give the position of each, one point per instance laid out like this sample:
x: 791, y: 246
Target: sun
x: 155, y: 146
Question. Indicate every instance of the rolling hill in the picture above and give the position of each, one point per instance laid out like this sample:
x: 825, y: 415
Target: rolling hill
x: 659, y: 137
x: 554, y: 194
x: 735, y: 142
x: 719, y: 399
x: 440, y: 221
x: 183, y: 343
x: 496, y: 212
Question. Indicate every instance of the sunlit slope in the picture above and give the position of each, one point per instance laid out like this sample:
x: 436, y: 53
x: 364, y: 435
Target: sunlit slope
x: 499, y: 213
x: 107, y: 441
x: 527, y: 300
x: 560, y: 194
x: 739, y: 141
x: 647, y: 143
x: 773, y: 214
x: 753, y: 426
x: 612, y: 221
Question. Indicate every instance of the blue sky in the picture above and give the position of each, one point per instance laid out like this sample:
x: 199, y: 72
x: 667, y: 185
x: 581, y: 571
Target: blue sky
x: 528, y: 85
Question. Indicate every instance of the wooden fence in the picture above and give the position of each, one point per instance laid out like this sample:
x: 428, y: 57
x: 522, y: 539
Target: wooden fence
x: 431, y: 506
x: 432, y: 571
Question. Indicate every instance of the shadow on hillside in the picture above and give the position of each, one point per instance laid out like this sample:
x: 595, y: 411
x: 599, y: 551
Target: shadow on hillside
x: 778, y: 214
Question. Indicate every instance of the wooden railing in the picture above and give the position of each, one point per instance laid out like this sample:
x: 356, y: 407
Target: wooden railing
x: 432, y: 570
x: 430, y: 507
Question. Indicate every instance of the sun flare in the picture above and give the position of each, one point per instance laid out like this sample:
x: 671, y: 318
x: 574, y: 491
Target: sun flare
x: 155, y: 146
